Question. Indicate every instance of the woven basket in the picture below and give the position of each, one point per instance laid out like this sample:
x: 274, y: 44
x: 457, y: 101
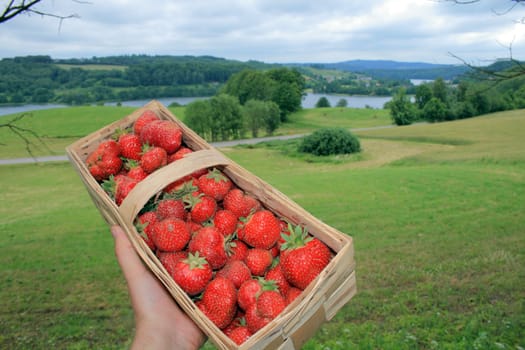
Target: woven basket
x: 330, y: 291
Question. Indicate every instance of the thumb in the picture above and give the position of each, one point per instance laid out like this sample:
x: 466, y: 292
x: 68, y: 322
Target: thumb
x: 129, y: 261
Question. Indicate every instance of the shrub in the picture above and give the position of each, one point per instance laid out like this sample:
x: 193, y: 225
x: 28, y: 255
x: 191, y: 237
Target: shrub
x: 330, y: 141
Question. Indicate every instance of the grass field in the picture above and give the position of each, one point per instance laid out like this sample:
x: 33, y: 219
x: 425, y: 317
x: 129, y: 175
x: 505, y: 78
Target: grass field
x: 437, y: 213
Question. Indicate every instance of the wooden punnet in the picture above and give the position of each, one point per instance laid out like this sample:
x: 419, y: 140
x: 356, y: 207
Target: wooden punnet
x: 330, y: 291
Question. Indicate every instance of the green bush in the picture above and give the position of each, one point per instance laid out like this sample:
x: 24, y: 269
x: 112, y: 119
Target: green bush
x: 330, y: 141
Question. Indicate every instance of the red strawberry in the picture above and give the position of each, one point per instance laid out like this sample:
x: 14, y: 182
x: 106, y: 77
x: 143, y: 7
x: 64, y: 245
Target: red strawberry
x: 236, y: 271
x: 239, y: 334
x: 135, y: 171
x: 269, y: 304
x: 181, y: 187
x: 202, y: 207
x: 153, y: 158
x: 171, y: 208
x: 105, y: 160
x: 262, y: 230
x: 248, y: 292
x: 171, y: 234
x: 215, y: 184
x: 303, y: 257
x: 130, y: 146
x: 209, y: 242
x: 118, y: 187
x: 110, y: 147
x: 181, y: 152
x: 292, y: 294
x: 145, y: 223
x: 219, y: 301
x: 237, y: 250
x: 276, y: 274
x: 192, y: 274
x: 225, y: 221
x: 145, y: 118
x: 240, y: 203
x: 170, y: 259
x: 258, y: 261
x: 162, y: 133
x: 124, y: 186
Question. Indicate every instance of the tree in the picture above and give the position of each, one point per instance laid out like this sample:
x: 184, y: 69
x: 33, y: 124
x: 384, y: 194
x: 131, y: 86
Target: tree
x: 322, y: 102
x: 402, y: 111
x: 198, y: 116
x: 423, y: 95
x: 435, y: 110
x: 227, y: 122
x: 261, y: 114
x: 439, y: 90
x: 343, y: 102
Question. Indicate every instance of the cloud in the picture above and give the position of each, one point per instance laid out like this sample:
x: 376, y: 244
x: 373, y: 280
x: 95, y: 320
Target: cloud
x: 270, y: 31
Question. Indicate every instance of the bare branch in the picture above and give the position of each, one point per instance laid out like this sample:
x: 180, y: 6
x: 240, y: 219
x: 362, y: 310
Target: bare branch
x: 15, y: 8
x: 24, y: 134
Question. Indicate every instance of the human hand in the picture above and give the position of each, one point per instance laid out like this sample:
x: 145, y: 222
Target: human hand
x: 159, y: 322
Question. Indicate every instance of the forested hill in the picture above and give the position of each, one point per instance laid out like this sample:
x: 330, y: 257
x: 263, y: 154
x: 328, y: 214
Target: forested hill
x: 395, y: 70
x: 41, y: 79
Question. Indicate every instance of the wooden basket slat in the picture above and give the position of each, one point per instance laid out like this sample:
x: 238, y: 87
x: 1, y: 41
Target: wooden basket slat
x: 331, y: 290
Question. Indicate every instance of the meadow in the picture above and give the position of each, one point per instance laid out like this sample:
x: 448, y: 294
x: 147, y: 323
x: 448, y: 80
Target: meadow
x: 436, y: 211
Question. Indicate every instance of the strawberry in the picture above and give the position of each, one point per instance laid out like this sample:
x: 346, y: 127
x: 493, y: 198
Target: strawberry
x: 124, y: 186
x: 292, y: 294
x: 181, y: 152
x: 240, y: 203
x: 130, y: 146
x: 153, y: 158
x: 171, y: 208
x: 237, y: 250
x: 303, y: 257
x: 192, y: 274
x: 118, y: 187
x: 210, y: 243
x: 105, y: 160
x: 225, y: 221
x: 135, y: 171
x: 269, y: 304
x: 145, y: 223
x: 215, y: 184
x: 258, y: 261
x: 262, y: 230
x: 276, y: 274
x: 248, y: 292
x: 162, y: 133
x: 170, y: 259
x: 239, y: 334
x: 219, y: 301
x: 145, y: 118
x: 181, y: 187
x: 171, y: 234
x: 236, y: 271
x: 201, y: 207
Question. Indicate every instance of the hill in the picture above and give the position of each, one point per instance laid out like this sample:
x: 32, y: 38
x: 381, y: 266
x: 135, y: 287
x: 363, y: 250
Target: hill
x: 395, y: 70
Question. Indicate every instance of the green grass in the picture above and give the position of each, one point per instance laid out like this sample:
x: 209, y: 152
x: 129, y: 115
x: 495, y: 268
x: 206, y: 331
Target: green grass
x: 58, y: 128
x: 436, y: 211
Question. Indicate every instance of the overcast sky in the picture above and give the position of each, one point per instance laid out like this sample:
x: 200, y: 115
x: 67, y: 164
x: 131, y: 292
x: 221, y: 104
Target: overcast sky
x: 271, y: 31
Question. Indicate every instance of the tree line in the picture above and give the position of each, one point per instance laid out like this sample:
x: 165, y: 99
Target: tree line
x: 439, y: 101
x: 251, y: 101
x: 41, y: 79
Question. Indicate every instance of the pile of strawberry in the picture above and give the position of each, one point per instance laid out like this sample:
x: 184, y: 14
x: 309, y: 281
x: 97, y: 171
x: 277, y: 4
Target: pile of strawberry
x: 239, y: 262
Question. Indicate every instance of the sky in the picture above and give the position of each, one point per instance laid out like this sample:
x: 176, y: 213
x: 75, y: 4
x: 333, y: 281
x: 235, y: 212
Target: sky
x: 282, y: 31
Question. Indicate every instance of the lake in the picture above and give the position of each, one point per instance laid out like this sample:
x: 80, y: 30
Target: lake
x: 309, y: 101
